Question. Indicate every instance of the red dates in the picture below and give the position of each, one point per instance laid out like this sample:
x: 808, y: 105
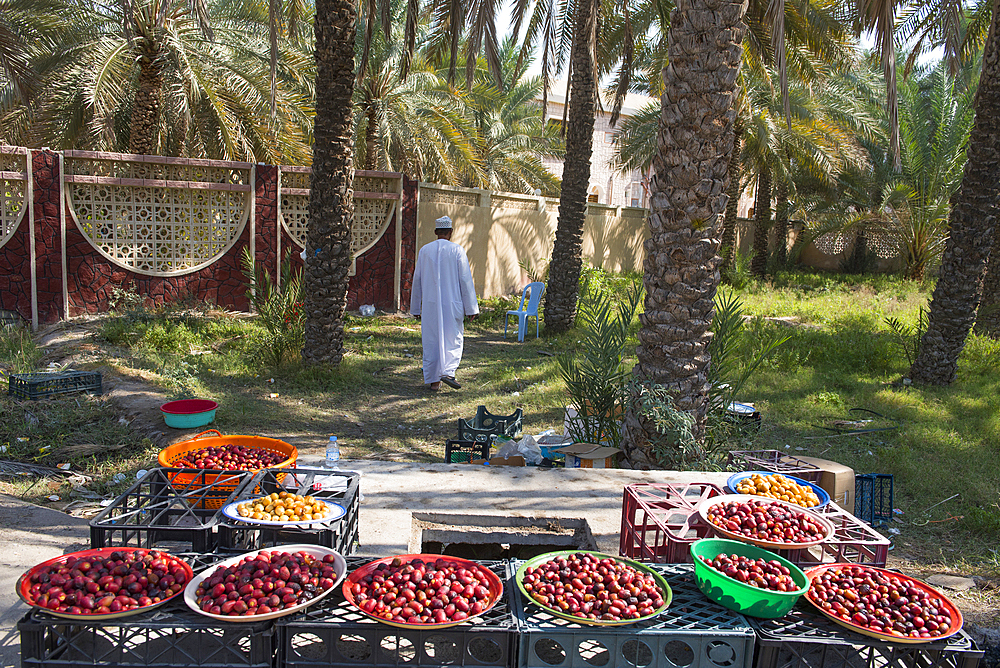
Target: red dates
x: 423, y: 591
x: 591, y: 587
x: 122, y: 581
x: 880, y: 602
x: 267, y: 582
x: 754, y: 572
x: 766, y: 521
x: 229, y: 457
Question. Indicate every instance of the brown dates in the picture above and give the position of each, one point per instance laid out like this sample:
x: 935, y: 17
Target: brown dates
x: 881, y: 602
x: 766, y: 521
x: 754, y: 572
x: 593, y: 587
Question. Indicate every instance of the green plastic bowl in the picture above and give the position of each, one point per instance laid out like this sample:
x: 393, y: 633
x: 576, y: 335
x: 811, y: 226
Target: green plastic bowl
x: 736, y: 595
x: 188, y: 413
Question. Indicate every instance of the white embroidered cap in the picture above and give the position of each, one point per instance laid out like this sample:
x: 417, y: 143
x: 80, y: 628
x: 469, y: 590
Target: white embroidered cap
x: 442, y: 223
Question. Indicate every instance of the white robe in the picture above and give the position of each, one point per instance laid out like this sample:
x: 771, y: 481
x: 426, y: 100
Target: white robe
x: 443, y: 294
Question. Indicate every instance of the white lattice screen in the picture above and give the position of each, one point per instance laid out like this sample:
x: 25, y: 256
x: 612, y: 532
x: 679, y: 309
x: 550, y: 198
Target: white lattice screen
x: 13, y: 192
x: 159, y: 216
x: 881, y: 244
x: 375, y: 198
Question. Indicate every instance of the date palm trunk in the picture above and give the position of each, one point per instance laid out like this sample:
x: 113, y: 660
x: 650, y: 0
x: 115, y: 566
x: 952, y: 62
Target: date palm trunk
x: 331, y: 203
x: 762, y: 222
x: 733, y: 203
x: 781, y: 221
x: 973, y: 219
x: 145, y: 123
x: 563, y: 286
x: 681, y: 275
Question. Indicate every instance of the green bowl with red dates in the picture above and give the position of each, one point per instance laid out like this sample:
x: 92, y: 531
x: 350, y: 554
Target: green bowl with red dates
x: 744, y: 598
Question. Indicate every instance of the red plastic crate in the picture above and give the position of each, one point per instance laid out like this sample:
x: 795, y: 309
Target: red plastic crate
x: 774, y: 461
x: 853, y: 542
x: 660, y: 521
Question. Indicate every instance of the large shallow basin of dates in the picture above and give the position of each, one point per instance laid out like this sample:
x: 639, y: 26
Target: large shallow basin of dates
x: 495, y: 588
x: 339, y: 566
x: 953, y: 611
x: 660, y: 582
x: 825, y: 525
x: 740, y: 596
x: 24, y: 583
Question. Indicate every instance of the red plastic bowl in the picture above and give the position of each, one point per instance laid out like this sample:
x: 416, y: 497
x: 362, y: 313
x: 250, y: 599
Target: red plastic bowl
x: 189, y: 406
x: 188, y: 413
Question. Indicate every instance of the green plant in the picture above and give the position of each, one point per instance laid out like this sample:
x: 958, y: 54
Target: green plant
x: 18, y: 351
x: 595, y: 373
x: 908, y: 337
x: 279, y: 307
x: 737, y: 273
x: 736, y: 353
x: 675, y: 446
x: 541, y: 274
x: 125, y: 298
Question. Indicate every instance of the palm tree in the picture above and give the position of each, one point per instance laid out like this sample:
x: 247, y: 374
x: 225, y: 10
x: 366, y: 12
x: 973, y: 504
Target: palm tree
x: 212, y: 99
x: 689, y: 192
x: 331, y: 203
x: 973, y: 216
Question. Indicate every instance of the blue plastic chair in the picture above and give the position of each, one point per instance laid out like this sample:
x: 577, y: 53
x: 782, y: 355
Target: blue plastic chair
x: 533, y: 291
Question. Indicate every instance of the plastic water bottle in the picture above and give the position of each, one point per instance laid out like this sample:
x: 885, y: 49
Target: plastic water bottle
x: 332, y: 454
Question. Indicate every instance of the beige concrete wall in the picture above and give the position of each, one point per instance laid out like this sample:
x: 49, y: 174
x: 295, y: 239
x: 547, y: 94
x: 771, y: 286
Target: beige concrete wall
x: 501, y: 230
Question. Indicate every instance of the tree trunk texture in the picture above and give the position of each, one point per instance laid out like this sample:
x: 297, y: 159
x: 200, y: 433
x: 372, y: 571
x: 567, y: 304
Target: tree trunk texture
x: 144, y: 133
x: 371, y: 137
x: 331, y: 204
x: 733, y: 203
x: 988, y: 317
x: 781, y: 221
x: 762, y: 222
x: 973, y: 217
x: 681, y: 275
x: 564, y: 277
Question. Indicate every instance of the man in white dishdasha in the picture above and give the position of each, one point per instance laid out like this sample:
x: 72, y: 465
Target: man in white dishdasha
x: 443, y: 294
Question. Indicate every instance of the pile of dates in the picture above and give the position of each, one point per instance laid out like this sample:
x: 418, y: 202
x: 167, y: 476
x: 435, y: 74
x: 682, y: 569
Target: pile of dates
x: 593, y: 587
x: 880, y: 602
x: 766, y: 521
x: 754, y: 572
x: 122, y: 581
x: 264, y: 583
x: 229, y: 458
x: 422, y: 591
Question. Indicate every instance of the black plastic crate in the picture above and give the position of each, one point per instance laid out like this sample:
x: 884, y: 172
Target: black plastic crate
x: 155, y: 513
x: 486, y: 426
x: 774, y: 461
x: 463, y: 452
x: 169, y: 638
x: 806, y: 639
x: 334, y: 634
x: 693, y: 631
x: 873, y: 498
x: 341, y: 535
x: 46, y: 384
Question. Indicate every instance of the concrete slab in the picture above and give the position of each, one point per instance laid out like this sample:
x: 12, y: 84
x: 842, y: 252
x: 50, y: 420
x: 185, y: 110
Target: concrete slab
x: 390, y: 491
x: 29, y: 534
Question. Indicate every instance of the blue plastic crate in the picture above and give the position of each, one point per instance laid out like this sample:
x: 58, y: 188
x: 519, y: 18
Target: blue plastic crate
x: 693, y: 632
x: 873, y: 498
x: 46, y: 384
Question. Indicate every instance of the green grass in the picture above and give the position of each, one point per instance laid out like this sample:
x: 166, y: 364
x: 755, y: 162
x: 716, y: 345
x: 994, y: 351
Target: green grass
x: 842, y: 355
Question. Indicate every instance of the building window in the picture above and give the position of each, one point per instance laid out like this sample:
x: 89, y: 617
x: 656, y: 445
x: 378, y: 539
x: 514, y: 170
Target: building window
x: 636, y: 191
x: 609, y: 137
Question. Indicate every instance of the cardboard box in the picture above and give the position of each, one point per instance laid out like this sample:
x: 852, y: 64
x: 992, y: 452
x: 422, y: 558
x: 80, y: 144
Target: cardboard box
x: 837, y: 480
x: 589, y: 456
x: 515, y: 460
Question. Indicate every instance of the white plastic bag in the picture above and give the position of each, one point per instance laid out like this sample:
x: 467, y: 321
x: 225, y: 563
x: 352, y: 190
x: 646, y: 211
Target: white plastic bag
x: 528, y: 448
